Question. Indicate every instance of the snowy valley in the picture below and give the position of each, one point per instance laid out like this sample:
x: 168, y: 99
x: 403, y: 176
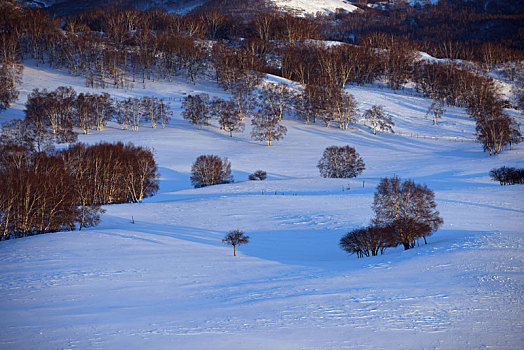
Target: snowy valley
x: 156, y: 275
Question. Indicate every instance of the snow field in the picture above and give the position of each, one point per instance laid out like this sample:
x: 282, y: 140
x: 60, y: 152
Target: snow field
x: 167, y: 280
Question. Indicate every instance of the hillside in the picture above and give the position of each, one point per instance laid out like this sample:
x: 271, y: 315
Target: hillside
x: 312, y: 7
x: 167, y: 279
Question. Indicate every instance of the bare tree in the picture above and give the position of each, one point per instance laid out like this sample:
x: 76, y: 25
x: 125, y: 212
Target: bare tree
x: 267, y: 127
x: 210, y: 170
x: 85, y: 113
x: 234, y: 238
x: 379, y: 119
x: 276, y: 98
x: 196, y: 109
x: 104, y: 108
x: 227, y: 115
x: 340, y: 162
x: 436, y: 110
x: 8, y: 92
x: 408, y: 207
x: 496, y: 129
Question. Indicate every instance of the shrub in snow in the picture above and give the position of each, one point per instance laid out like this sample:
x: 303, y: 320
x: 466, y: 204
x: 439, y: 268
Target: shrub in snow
x: 368, y: 240
x: 258, y: 175
x: 507, y: 176
x: 210, y: 170
x: 340, y: 162
x: 234, y: 238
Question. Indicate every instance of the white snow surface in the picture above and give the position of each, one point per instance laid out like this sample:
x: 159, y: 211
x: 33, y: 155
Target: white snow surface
x: 167, y: 281
x: 313, y: 6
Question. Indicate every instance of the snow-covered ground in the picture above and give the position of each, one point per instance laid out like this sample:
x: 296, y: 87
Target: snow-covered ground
x: 167, y: 281
x: 314, y: 6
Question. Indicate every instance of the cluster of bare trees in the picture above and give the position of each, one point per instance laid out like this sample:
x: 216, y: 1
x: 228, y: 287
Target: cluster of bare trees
x: 447, y: 83
x: 266, y: 119
x: 36, y: 194
x: 404, y: 212
x: 317, y: 64
x: 51, y: 115
x: 44, y: 192
x: 507, y: 175
x: 113, y: 173
x: 134, y: 110
x: 10, y: 54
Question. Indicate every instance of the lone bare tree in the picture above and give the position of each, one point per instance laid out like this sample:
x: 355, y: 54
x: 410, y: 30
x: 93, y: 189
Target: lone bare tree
x: 234, y: 238
x: 196, y: 110
x: 340, y: 162
x: 408, y: 207
x: 227, y: 115
x: 267, y: 127
x: 436, y: 110
x: 379, y: 119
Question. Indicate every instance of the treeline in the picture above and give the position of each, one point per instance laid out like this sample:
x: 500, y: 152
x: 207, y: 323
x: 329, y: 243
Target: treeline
x: 457, y: 29
x: 47, y: 192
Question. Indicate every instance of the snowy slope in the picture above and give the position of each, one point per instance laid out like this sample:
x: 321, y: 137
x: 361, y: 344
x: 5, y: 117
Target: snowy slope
x: 166, y: 281
x: 314, y: 6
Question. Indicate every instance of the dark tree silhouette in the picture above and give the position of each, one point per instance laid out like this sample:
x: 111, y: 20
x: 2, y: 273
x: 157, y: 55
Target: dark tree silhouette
x: 234, y: 238
x: 210, y: 170
x: 370, y: 239
x: 258, y: 175
x: 408, y: 207
x: 340, y: 162
x: 507, y: 175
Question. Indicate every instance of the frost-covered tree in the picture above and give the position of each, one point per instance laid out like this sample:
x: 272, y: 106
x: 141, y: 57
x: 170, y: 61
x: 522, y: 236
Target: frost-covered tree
x: 210, y: 170
x: 234, y: 238
x: 340, y: 162
x: 378, y: 119
x: 436, y: 110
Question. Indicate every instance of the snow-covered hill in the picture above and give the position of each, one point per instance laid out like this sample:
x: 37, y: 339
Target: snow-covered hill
x: 314, y: 6
x: 166, y: 281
